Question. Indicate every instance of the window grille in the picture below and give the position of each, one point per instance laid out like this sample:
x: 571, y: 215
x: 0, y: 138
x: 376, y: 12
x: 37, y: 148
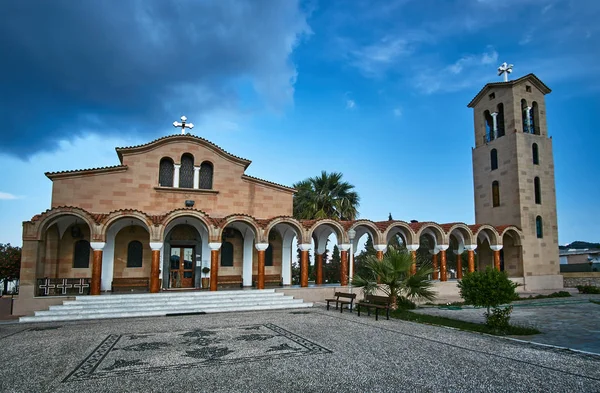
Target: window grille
x: 539, y: 227
x: 135, y: 252
x: 165, y: 173
x: 227, y: 254
x: 206, y: 176
x: 495, y: 194
x: 81, y: 254
x: 186, y: 172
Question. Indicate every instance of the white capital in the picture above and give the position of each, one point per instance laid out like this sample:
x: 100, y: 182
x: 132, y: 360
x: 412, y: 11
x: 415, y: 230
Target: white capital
x: 470, y: 247
x: 97, y: 246
x: 496, y: 247
x: 156, y: 246
x: 214, y: 246
x: 304, y: 247
x: 344, y: 247
x: 412, y: 247
x: 261, y: 246
x: 380, y: 247
x: 442, y: 247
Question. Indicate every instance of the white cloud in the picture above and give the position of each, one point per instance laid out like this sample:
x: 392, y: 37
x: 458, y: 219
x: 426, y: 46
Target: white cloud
x: 6, y: 195
x: 397, y: 112
x: 350, y: 104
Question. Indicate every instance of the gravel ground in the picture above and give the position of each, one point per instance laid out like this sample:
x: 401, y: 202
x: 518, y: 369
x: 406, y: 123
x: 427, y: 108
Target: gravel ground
x: 315, y: 351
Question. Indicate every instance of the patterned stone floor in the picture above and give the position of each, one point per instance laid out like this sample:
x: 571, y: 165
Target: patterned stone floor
x: 305, y: 351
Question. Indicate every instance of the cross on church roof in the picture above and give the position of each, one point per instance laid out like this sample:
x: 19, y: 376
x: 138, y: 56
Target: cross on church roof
x: 505, y: 69
x: 183, y: 125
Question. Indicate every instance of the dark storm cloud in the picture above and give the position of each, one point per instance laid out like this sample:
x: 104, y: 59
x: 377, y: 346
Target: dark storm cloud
x: 67, y: 65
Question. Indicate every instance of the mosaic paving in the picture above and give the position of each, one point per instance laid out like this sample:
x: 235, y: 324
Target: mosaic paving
x: 128, y: 354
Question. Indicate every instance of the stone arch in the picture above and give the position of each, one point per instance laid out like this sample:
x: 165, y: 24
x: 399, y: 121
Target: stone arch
x: 291, y: 222
x: 160, y: 232
x: 403, y: 229
x: 366, y: 226
x: 490, y: 233
x: 462, y: 232
x: 434, y: 230
x: 250, y: 221
x: 335, y: 226
x: 52, y: 216
x: 511, y: 255
x: 117, y: 215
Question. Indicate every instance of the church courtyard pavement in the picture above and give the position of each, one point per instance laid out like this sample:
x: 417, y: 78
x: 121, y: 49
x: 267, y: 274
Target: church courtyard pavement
x: 312, y: 350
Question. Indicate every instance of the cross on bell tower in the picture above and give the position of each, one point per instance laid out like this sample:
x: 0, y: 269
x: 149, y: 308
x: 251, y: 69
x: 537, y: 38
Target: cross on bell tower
x: 183, y: 125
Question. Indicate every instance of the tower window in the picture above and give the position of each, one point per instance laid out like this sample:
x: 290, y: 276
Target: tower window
x: 489, y: 126
x: 535, y: 154
x: 227, y: 254
x: 494, y: 159
x: 539, y: 227
x: 495, y: 194
x: 492, y: 96
x: 206, y: 175
x: 537, y: 191
x: 528, y: 89
x: 269, y: 255
x: 500, y: 120
x: 186, y: 173
x: 525, y: 115
x: 165, y: 172
x: 135, y: 252
x: 81, y: 254
x: 534, y: 119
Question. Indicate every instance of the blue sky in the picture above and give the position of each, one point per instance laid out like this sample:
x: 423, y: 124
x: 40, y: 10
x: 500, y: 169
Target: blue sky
x: 374, y: 89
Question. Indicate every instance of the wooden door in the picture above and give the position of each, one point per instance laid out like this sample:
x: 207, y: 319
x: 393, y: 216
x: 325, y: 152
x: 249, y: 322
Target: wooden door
x: 182, y: 267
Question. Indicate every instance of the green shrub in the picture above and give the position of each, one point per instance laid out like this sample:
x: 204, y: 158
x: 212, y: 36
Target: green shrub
x: 589, y: 289
x: 489, y: 289
x: 560, y: 294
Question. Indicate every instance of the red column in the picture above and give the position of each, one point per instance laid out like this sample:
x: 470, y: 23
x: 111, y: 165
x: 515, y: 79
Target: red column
x: 214, y: 269
x: 96, y: 273
x: 154, y: 272
x: 304, y: 268
x: 459, y: 266
x: 471, y: 261
x: 319, y: 267
x: 380, y: 255
x: 413, y: 267
x: 443, y: 274
x: 344, y: 267
x: 434, y: 262
x: 497, y: 260
x: 260, y: 281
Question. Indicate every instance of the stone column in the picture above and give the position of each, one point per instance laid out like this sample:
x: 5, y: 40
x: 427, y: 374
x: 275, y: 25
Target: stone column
x: 214, y: 264
x: 176, y: 175
x: 155, y: 267
x: 304, y: 264
x: 412, y: 248
x: 196, y: 177
x: 319, y: 268
x: 458, y: 264
x: 470, y: 249
x: 96, y: 267
x: 344, y: 263
x: 495, y: 121
x: 260, y: 274
x: 496, y: 249
x: 443, y: 271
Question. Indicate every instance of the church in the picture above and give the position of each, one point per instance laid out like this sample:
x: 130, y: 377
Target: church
x: 179, y: 213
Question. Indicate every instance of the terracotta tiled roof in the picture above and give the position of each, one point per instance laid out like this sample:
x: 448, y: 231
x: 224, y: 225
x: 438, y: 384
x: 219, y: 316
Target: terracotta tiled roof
x: 121, y: 150
x: 52, y: 175
x: 244, y: 176
x: 534, y: 79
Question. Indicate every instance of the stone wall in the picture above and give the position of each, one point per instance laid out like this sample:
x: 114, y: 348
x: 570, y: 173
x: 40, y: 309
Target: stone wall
x: 571, y: 280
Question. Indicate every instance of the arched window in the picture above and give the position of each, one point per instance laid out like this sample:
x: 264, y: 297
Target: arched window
x: 494, y: 159
x: 81, y: 254
x: 489, y: 126
x: 535, y: 153
x: 135, y: 252
x: 525, y: 116
x: 186, y: 173
x: 227, y: 254
x: 165, y: 172
x: 535, y: 118
x: 206, y: 175
x: 539, y: 227
x: 500, y: 120
x: 537, y: 190
x: 269, y: 256
x: 495, y: 194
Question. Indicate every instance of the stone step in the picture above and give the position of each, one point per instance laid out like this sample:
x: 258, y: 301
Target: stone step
x: 164, y: 307
x: 163, y: 299
x: 253, y: 292
x: 51, y: 318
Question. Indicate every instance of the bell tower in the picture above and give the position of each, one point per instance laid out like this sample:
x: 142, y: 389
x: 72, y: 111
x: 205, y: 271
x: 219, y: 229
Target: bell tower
x: 513, y: 174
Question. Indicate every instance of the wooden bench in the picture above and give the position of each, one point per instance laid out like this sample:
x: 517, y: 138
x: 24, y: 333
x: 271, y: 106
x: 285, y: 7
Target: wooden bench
x: 376, y: 302
x: 269, y: 278
x: 130, y: 283
x: 341, y: 302
x: 230, y: 280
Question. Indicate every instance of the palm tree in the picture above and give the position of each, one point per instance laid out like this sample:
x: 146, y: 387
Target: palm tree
x: 325, y: 196
x: 395, y: 279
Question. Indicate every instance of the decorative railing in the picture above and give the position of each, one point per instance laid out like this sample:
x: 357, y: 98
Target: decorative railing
x: 63, y: 286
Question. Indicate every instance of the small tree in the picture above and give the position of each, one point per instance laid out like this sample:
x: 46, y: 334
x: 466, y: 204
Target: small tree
x: 10, y: 264
x: 489, y: 289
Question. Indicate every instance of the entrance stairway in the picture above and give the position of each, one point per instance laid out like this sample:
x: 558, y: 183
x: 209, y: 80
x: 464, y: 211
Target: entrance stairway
x: 165, y: 303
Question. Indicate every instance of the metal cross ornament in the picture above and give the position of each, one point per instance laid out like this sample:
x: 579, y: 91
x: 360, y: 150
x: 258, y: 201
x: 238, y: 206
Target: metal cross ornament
x: 505, y: 69
x: 183, y: 125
